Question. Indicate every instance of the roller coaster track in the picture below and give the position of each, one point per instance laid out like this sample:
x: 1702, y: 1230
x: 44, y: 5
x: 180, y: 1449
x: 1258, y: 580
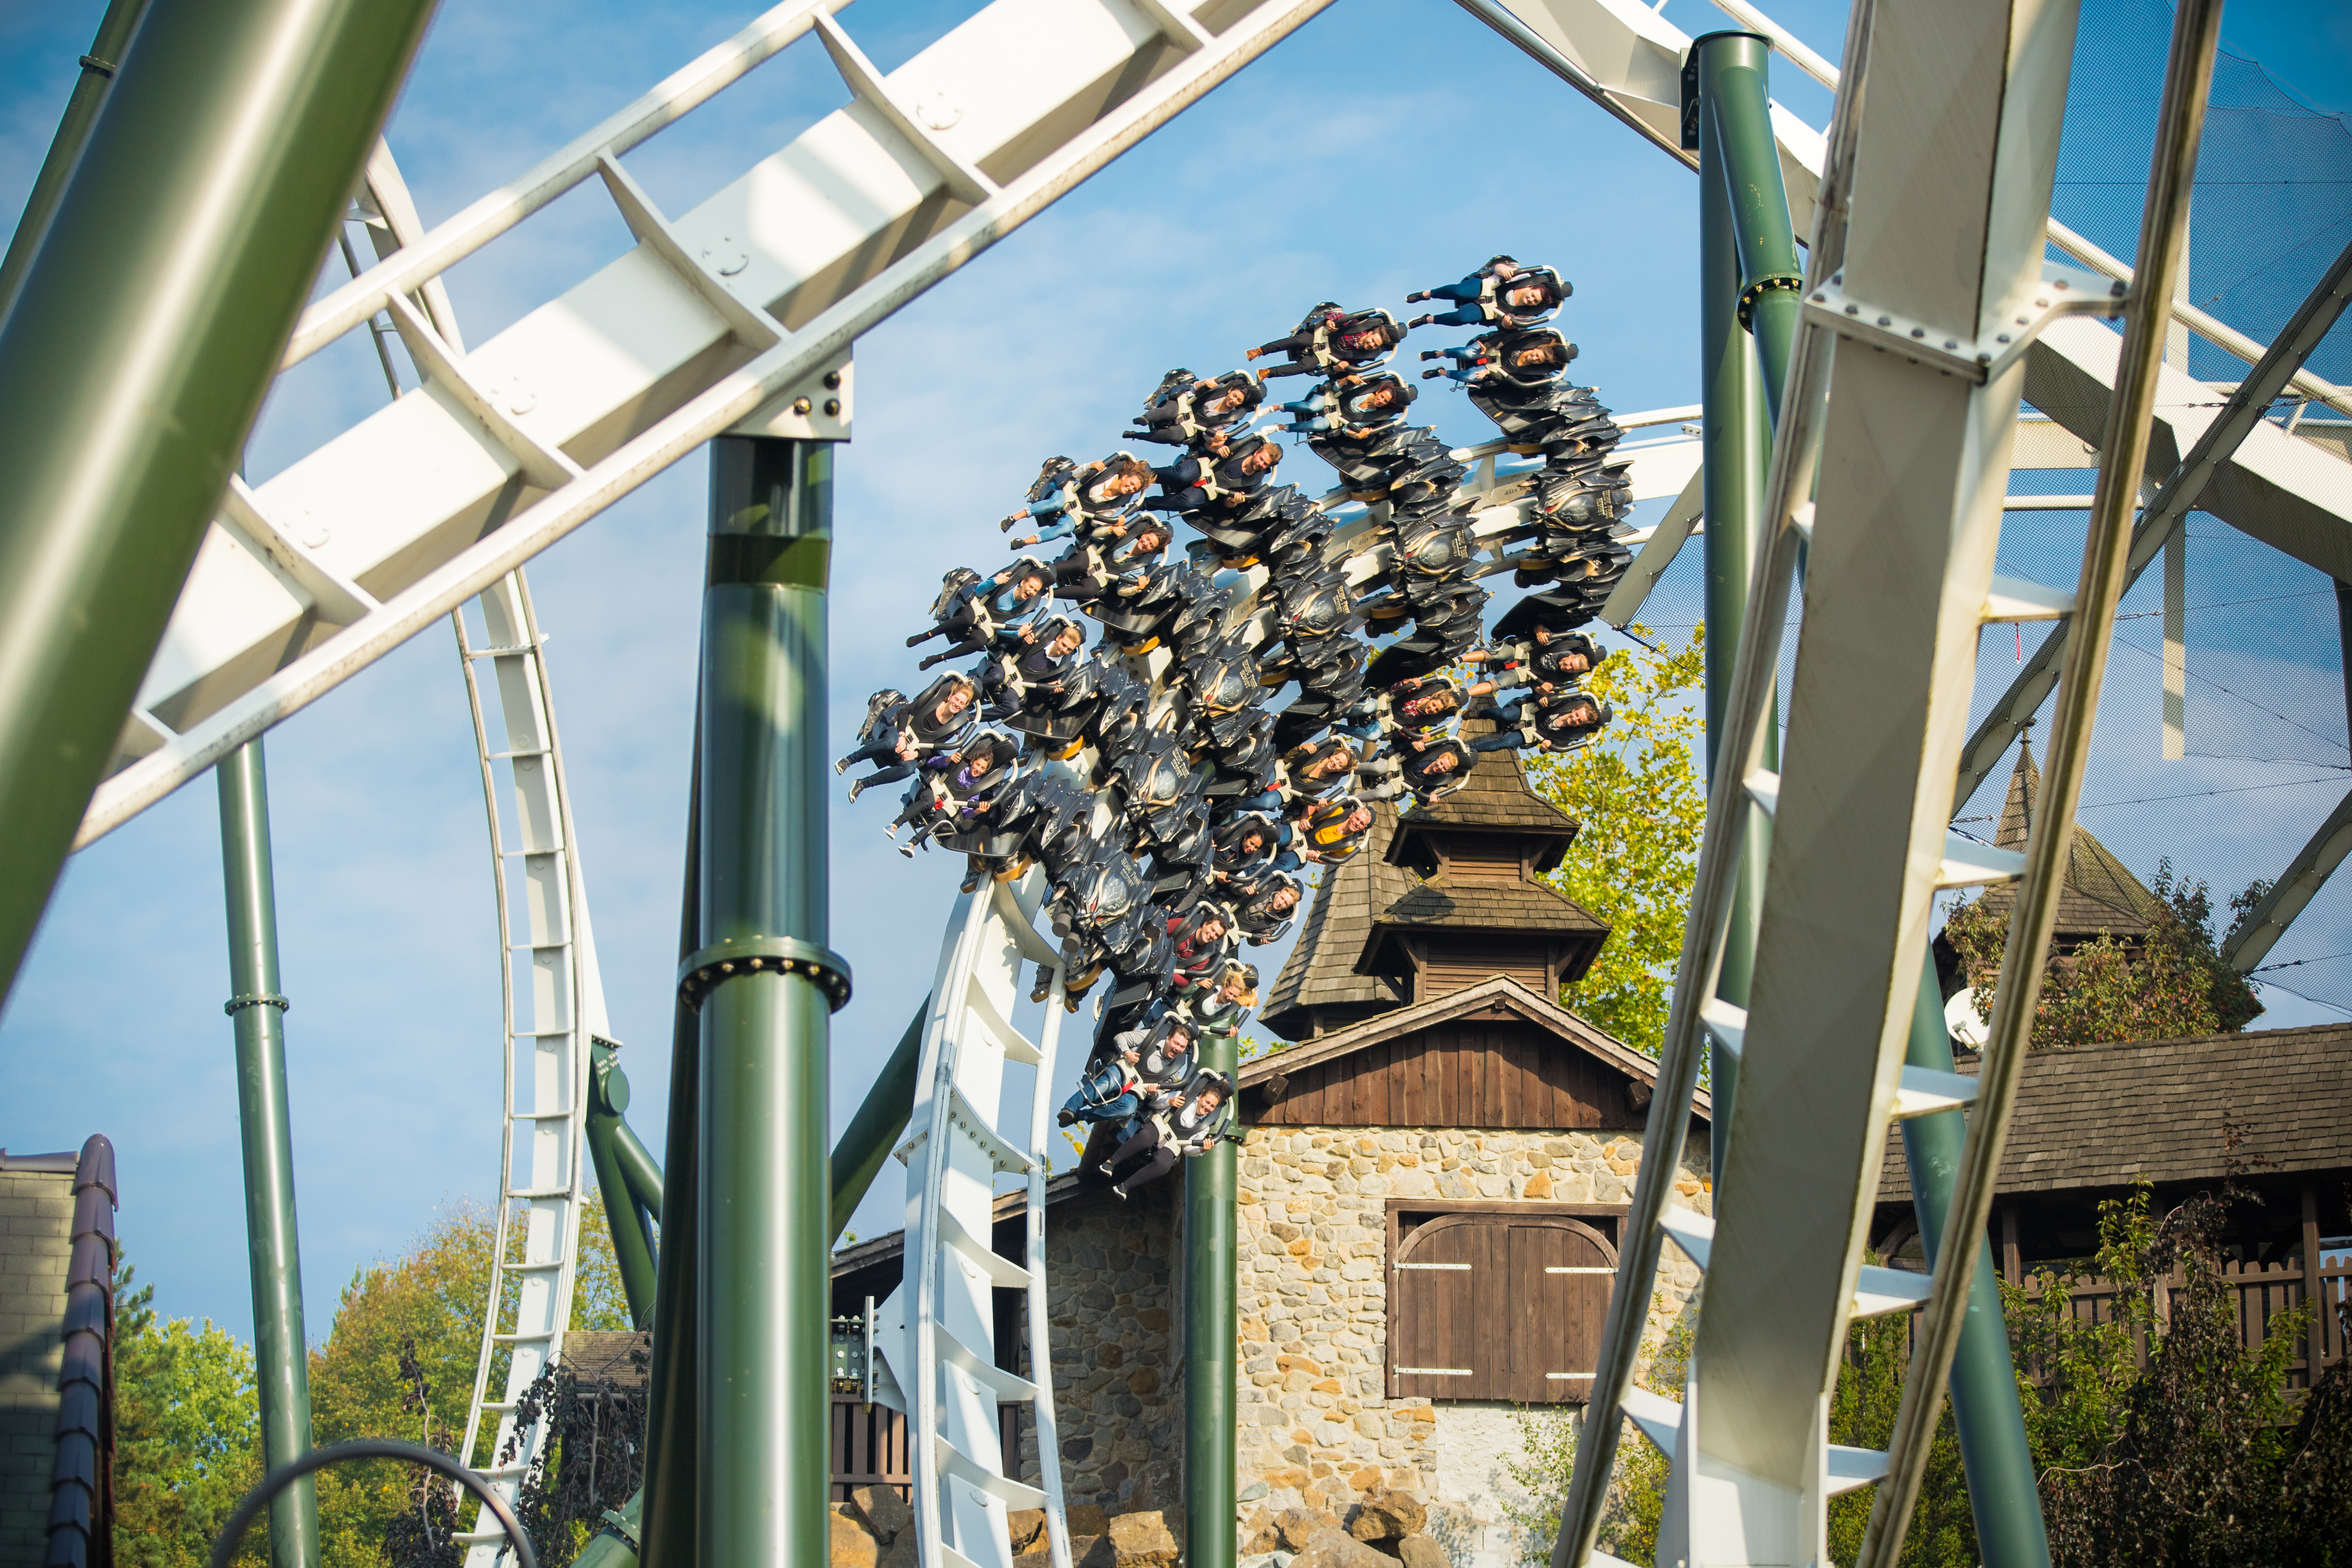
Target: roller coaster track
x: 741, y: 315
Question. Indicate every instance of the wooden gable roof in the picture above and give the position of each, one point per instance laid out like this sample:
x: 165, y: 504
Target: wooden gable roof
x: 1490, y: 1054
x: 2105, y: 1116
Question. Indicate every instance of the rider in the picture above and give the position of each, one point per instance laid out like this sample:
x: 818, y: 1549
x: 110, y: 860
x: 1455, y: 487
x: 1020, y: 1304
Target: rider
x: 1188, y: 1126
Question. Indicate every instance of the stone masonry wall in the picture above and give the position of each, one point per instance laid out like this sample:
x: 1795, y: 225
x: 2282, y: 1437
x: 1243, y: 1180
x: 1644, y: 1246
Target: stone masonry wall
x: 1114, y: 1321
x: 1317, y: 1426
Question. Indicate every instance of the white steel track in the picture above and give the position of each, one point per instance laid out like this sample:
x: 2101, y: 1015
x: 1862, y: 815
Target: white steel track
x: 545, y: 1051
x: 724, y: 314
x: 942, y: 1370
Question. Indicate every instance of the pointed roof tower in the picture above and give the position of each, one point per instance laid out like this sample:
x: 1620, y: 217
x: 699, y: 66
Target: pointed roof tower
x: 2099, y: 894
x: 1442, y: 898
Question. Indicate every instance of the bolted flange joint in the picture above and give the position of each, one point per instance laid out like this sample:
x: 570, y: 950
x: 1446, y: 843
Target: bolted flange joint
x: 705, y: 967
x: 243, y: 999
x: 1786, y: 282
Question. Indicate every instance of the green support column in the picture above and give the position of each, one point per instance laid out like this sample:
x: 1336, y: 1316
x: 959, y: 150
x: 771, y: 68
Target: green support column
x: 1735, y: 440
x: 98, y: 68
x: 765, y: 984
x: 1211, y: 1190
x: 632, y: 1242
x: 665, y: 1519
x: 195, y: 218
x: 281, y: 1354
x: 1994, y: 1452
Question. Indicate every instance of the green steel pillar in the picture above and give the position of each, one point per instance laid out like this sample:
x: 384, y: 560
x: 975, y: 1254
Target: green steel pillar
x: 665, y: 1519
x: 281, y: 1354
x: 98, y: 68
x: 1736, y: 438
x: 865, y: 1143
x: 1994, y: 1452
x: 632, y: 1242
x: 1212, y: 1191
x: 765, y: 984
x: 196, y: 216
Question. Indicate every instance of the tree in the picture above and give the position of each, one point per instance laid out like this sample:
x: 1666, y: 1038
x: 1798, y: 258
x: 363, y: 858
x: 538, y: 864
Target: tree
x: 1637, y: 794
x: 2172, y: 984
x: 2161, y: 1437
x: 187, y: 1434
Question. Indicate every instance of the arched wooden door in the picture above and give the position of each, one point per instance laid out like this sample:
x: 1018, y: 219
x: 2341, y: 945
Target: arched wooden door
x: 1499, y: 1306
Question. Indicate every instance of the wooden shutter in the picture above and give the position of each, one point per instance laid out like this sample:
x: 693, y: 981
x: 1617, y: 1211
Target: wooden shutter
x: 1560, y: 1275
x: 1451, y: 964
x: 1497, y: 1306
x: 1436, y: 1347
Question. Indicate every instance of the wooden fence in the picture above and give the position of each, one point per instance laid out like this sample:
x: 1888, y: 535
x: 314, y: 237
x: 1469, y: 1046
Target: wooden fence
x: 2265, y: 1292
x: 869, y: 1445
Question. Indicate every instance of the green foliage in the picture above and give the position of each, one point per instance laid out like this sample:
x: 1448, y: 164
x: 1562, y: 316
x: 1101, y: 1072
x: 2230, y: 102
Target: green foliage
x: 398, y: 1362
x: 187, y: 1434
x: 2188, y: 1459
x: 2174, y: 985
x: 1637, y: 792
x: 1637, y: 1500
x: 1943, y: 1532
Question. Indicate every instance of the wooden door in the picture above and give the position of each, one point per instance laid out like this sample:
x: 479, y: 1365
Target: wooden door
x: 1560, y: 1274
x: 1437, y: 1349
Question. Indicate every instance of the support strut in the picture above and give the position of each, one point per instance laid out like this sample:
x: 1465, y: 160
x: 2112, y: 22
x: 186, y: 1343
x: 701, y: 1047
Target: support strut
x: 281, y: 1354
x: 1211, y: 1339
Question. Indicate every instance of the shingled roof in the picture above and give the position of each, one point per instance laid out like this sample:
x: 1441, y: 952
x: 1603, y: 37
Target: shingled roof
x: 1321, y: 970
x: 2099, y: 894
x: 2105, y: 1116
x: 1334, y: 964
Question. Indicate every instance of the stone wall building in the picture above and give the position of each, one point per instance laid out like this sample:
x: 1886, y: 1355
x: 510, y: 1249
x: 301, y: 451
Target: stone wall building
x: 1432, y: 1181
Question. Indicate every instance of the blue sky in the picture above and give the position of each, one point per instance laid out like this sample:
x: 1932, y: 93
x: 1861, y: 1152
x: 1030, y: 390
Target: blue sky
x: 1381, y: 149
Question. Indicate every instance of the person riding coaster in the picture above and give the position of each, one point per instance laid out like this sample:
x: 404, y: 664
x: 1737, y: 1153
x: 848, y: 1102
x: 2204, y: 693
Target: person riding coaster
x: 1527, y: 356
x: 1557, y: 657
x: 1219, y: 1010
x: 1217, y: 484
x: 1066, y: 496
x: 1030, y: 662
x: 1185, y: 412
x: 1186, y: 1124
x: 970, y: 608
x: 1353, y: 405
x: 1266, y: 914
x: 1145, y: 1062
x: 1561, y: 721
x: 898, y: 734
x: 1335, y: 830
x: 1501, y: 293
x: 956, y: 788
x: 1090, y: 570
x: 1428, y: 770
x: 1329, y: 340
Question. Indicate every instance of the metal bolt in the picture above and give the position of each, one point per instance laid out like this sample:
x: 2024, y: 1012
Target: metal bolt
x: 1885, y: 321
x: 832, y: 381
x: 1853, y: 310
x: 833, y: 406
x: 1950, y: 343
x: 1819, y: 298
x: 1918, y: 331
x: 801, y: 406
x: 2003, y: 339
x: 726, y: 969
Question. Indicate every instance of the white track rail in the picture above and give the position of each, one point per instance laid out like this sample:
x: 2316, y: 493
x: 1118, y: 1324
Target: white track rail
x: 942, y: 1371
x: 542, y: 1172
x: 723, y: 315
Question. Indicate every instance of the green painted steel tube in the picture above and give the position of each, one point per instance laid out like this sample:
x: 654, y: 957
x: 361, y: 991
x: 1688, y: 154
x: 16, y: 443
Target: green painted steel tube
x: 632, y: 1242
x: 767, y: 985
x: 865, y: 1143
x: 195, y: 218
x: 98, y: 68
x: 1735, y: 441
x: 273, y: 1249
x: 1737, y: 141
x: 1212, y: 1339
x: 1994, y: 1452
x: 640, y: 1172
x: 665, y: 1532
